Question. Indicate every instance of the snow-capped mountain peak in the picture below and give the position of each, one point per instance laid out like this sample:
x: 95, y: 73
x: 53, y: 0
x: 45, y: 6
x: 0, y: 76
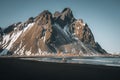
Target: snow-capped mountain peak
x: 47, y: 33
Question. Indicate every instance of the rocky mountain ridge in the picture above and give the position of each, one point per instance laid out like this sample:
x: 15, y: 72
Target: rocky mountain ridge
x: 49, y: 33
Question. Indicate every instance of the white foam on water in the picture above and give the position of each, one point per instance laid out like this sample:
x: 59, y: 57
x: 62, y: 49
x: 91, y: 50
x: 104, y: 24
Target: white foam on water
x: 113, y: 65
x: 83, y: 61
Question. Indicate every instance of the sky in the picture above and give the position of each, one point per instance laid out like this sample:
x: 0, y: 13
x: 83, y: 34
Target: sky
x: 102, y: 16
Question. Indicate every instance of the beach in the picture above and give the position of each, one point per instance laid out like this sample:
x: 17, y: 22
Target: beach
x: 18, y: 69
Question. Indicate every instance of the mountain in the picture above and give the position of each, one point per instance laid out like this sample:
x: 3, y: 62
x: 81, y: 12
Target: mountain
x: 47, y: 33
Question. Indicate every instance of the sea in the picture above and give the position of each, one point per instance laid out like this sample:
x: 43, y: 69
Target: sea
x: 107, y: 61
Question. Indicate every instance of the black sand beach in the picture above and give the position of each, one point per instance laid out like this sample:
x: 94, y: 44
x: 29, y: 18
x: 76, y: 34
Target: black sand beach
x: 16, y: 69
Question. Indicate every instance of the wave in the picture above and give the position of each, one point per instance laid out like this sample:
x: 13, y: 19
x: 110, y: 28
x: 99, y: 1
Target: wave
x: 94, y: 60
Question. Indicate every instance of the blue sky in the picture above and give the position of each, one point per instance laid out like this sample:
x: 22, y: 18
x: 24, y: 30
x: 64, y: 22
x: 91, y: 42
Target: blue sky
x: 102, y: 16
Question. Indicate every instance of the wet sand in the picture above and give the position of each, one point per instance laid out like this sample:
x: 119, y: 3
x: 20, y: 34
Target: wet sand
x: 17, y: 69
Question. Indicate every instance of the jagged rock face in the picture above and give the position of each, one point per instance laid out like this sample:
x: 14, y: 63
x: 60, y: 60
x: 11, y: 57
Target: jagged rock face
x: 65, y: 17
x: 11, y: 28
x: 44, y: 18
x: 56, y: 14
x: 84, y: 34
x: 82, y: 31
x: 47, y: 33
x: 38, y: 37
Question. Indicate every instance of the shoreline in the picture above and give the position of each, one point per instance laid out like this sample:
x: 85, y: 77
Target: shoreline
x: 61, y: 55
x: 17, y: 69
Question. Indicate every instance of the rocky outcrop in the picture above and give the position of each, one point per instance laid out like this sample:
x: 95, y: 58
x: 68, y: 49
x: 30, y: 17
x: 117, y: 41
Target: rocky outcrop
x: 56, y: 15
x: 44, y: 18
x: 65, y: 17
x: 11, y: 28
x: 82, y: 32
x: 47, y: 33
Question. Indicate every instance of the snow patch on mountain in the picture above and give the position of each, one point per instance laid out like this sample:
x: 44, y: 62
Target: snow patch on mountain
x: 9, y: 39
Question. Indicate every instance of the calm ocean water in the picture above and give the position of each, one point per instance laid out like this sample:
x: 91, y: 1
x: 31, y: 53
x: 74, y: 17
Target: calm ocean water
x: 108, y: 61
